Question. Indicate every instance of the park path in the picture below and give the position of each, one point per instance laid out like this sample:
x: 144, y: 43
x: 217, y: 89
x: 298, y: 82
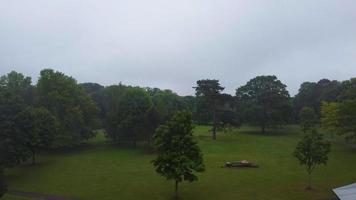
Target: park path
x: 38, y: 196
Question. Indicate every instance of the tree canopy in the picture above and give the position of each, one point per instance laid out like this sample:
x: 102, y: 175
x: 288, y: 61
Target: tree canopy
x: 265, y: 101
x: 209, y: 91
x: 12, y: 150
x: 77, y: 113
x: 312, y: 151
x: 38, y: 127
x: 340, y: 118
x: 178, y: 153
x: 127, y: 119
x: 308, y: 119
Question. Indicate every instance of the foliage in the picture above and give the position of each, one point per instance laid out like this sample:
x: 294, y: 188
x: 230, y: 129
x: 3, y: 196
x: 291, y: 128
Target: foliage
x: 152, y: 122
x: 18, y: 84
x: 312, y: 151
x: 308, y: 119
x: 265, y: 101
x: 312, y: 94
x: 190, y: 104
x: 178, y: 153
x: 127, y: 119
x: 96, y: 92
x: 12, y: 152
x: 209, y: 92
x: 348, y: 91
x: 330, y: 116
x: 38, y: 127
x: 340, y: 118
x: 167, y: 103
x: 66, y: 100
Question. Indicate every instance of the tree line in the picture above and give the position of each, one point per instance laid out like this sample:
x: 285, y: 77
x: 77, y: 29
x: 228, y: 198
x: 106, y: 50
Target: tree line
x: 57, y: 112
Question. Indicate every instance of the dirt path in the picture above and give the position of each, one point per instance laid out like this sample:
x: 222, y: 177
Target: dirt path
x: 38, y: 196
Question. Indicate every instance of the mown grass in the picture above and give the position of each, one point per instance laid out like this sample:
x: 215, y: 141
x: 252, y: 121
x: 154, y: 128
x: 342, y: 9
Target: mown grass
x: 105, y: 171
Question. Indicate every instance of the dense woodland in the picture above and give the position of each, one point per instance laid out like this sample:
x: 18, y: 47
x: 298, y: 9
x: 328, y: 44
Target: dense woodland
x: 58, y: 112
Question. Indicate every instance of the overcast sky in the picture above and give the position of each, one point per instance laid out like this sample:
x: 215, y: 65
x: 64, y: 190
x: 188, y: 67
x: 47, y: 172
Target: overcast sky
x: 171, y: 44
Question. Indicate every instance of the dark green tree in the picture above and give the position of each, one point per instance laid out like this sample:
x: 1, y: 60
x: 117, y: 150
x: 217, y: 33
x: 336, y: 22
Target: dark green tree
x: 38, y: 126
x: 12, y: 150
x: 18, y: 84
x: 96, y: 92
x: 76, y: 112
x: 312, y: 151
x: 210, y: 92
x: 265, y: 101
x: 179, y: 155
x: 308, y: 119
x: 126, y: 120
x: 167, y: 103
x: 190, y: 104
x: 312, y: 94
x: 152, y: 123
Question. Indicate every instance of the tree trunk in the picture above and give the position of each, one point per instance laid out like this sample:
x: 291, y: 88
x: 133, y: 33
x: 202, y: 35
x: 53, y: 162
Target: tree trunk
x: 263, y: 128
x: 309, y: 181
x: 214, y: 125
x: 176, y: 191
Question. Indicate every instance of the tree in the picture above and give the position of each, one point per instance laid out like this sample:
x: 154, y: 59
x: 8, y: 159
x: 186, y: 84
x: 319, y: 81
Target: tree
x: 178, y: 153
x: 210, y: 91
x: 308, y: 119
x: 190, y: 104
x: 152, y: 123
x: 12, y: 150
x: 265, y: 101
x: 3, y: 185
x: 312, y: 151
x: 348, y: 91
x: 96, y: 92
x: 38, y: 126
x: 312, y: 94
x: 18, y: 84
x: 77, y: 113
x: 167, y: 103
x: 340, y: 118
x: 127, y: 119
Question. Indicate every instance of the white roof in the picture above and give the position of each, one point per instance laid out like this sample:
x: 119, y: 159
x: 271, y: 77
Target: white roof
x: 347, y: 192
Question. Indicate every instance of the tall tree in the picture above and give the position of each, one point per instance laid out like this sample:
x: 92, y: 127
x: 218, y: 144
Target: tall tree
x: 308, y: 119
x: 265, y: 101
x: 76, y: 113
x: 312, y: 151
x: 18, y: 84
x: 38, y: 126
x: 210, y: 91
x: 127, y: 119
x: 12, y: 150
x: 178, y: 153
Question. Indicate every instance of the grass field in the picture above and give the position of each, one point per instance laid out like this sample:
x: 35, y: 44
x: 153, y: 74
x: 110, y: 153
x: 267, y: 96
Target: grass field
x: 108, y: 172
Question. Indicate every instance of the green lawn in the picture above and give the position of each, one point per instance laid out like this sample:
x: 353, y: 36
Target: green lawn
x: 108, y: 172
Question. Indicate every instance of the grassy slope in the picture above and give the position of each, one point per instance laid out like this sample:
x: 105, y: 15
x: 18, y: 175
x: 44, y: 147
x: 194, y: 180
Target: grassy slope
x: 108, y: 172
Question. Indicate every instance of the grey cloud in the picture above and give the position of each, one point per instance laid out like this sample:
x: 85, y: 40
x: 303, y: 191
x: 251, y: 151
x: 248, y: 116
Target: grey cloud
x: 171, y: 44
